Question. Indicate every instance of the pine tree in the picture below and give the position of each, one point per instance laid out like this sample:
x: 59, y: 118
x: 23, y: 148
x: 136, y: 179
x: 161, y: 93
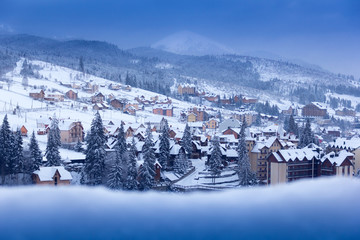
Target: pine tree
x: 121, y: 141
x: 293, y: 127
x: 115, y: 175
x: 56, y: 130
x: 181, y: 163
x: 164, y: 144
x: 18, y: 157
x: 258, y: 120
x: 6, y: 146
x: 286, y: 124
x: 35, y: 154
x: 78, y: 146
x: 95, y: 153
x: 147, y: 170
x: 131, y: 180
x: 246, y: 176
x: 52, y: 153
x: 186, y: 141
x: 307, y: 135
x: 215, y: 159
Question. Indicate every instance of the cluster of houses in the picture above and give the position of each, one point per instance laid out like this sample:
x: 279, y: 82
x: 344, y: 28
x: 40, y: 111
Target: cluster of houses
x: 273, y: 152
x: 316, y: 110
x: 190, y: 90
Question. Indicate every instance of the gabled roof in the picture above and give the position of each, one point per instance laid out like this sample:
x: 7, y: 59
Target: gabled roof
x: 47, y: 173
x: 319, y: 105
x: 344, y: 143
x: 293, y: 154
x: 338, y: 158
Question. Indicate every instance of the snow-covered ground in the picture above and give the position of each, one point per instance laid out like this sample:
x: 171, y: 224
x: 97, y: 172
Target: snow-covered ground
x: 314, y: 209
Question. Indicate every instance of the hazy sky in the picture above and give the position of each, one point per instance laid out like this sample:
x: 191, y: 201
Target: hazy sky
x: 322, y: 32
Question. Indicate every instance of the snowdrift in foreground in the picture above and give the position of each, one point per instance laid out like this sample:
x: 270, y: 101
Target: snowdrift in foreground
x: 319, y: 209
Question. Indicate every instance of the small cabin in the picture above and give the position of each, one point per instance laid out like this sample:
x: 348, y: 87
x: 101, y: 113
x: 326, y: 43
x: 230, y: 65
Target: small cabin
x: 52, y: 176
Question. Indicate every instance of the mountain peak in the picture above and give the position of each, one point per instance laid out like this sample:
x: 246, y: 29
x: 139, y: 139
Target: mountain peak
x: 189, y: 43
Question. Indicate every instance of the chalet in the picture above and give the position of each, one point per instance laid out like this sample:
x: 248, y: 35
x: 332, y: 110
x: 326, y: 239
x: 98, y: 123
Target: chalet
x: 117, y: 104
x: 345, y: 112
x: 90, y: 88
x: 52, y: 176
x: 55, y: 96
x: 130, y: 110
x: 100, y: 106
x: 341, y: 164
x: 71, y: 95
x: 232, y: 131
x: 289, y: 111
x: 293, y: 164
x: 98, y: 98
x: 191, y: 117
x: 212, y: 98
x: 201, y: 114
x: 212, y: 124
x: 351, y: 145
x: 165, y: 110
x: 115, y: 87
x: 188, y: 89
x: 127, y: 88
x: 37, y: 94
x: 259, y: 154
x: 132, y: 104
x: 332, y: 131
x: 314, y: 109
x: 248, y: 116
x: 71, y: 132
x: 246, y: 100
x: 23, y: 131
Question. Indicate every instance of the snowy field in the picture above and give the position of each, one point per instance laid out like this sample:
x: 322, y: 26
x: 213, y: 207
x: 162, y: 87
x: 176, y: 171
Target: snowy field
x: 320, y: 209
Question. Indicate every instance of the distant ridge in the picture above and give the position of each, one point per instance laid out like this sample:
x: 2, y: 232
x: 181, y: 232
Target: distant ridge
x: 189, y: 43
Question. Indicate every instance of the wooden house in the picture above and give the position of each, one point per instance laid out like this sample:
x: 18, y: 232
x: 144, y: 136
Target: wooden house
x: 314, y: 109
x: 98, y: 98
x: 37, y: 94
x: 117, y: 104
x: 71, y: 132
x: 71, y: 95
x: 23, y: 131
x: 52, y: 176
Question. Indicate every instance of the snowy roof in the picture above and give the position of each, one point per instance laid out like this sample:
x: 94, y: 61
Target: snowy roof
x: 232, y: 123
x: 337, y: 158
x: 271, y: 129
x: 65, y: 125
x: 163, y: 106
x: 344, y: 143
x: 263, y: 142
x: 47, y: 173
x: 319, y: 105
x: 300, y: 154
x: 195, y: 124
x: 231, y: 153
x: 174, y: 149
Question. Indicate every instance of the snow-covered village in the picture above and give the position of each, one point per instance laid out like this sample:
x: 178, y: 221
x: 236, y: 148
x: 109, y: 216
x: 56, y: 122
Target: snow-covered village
x: 179, y: 119
x: 62, y: 126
